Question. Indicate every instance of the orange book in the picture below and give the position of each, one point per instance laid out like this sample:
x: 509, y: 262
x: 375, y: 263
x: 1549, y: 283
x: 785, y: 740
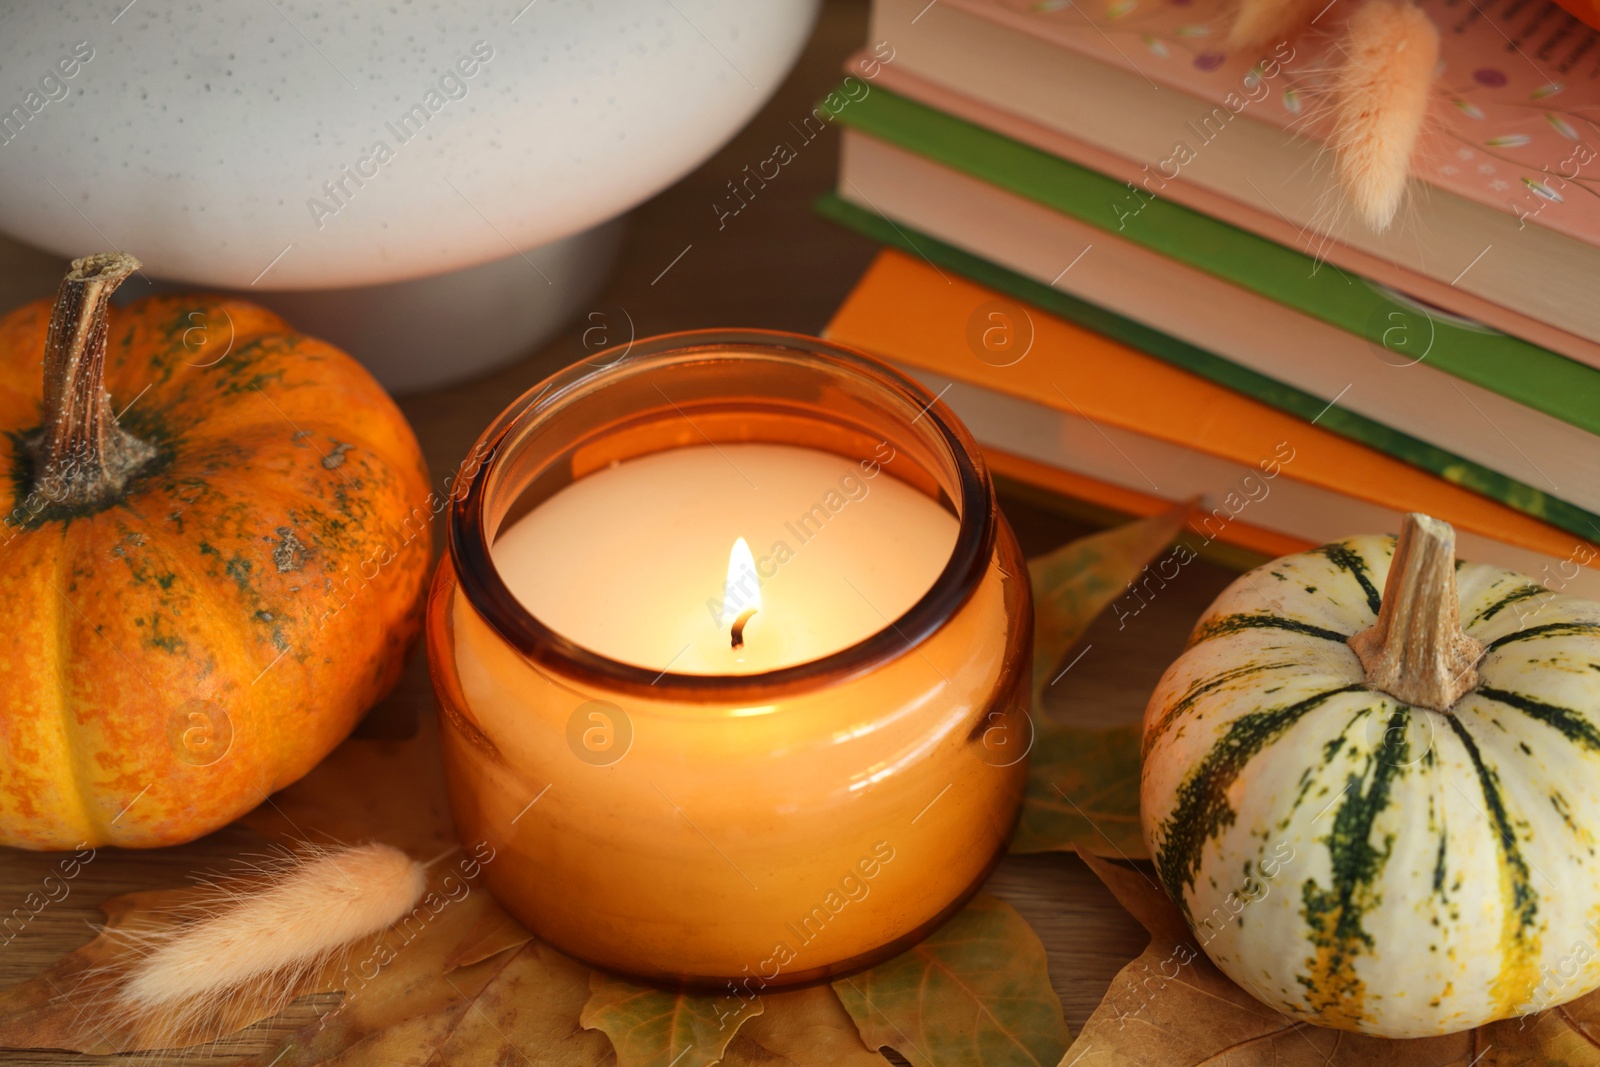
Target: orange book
x: 1067, y: 483
x: 1067, y: 409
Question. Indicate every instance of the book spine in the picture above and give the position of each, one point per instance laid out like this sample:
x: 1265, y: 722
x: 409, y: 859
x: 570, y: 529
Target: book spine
x: 1519, y: 370
x: 1401, y: 446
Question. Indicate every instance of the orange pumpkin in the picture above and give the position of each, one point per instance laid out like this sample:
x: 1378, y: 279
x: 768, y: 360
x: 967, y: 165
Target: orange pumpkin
x: 215, y: 538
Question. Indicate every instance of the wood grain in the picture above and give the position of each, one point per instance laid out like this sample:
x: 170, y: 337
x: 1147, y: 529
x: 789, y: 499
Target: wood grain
x: 775, y: 265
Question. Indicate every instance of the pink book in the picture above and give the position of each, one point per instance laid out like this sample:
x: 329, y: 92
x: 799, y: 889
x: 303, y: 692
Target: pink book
x: 1238, y: 213
x: 1515, y: 121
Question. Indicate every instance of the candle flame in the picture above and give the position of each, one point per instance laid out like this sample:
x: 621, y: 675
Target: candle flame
x: 743, y: 589
x: 741, y: 595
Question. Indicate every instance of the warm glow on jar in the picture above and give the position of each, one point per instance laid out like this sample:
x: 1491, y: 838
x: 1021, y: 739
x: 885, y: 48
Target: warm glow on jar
x: 764, y: 764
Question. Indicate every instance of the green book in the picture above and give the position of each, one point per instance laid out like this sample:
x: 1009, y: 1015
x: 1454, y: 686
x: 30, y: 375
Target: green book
x: 1516, y: 369
x: 1450, y: 467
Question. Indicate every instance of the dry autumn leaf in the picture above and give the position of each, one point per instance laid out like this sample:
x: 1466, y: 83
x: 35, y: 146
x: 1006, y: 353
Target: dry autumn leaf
x: 1083, y: 792
x: 496, y: 932
x: 1172, y: 1008
x: 469, y: 984
x: 526, y: 1014
x: 1083, y: 784
x: 69, y: 1006
x: 805, y: 1028
x: 975, y: 992
x: 465, y: 984
x: 402, y: 1003
x: 652, y: 1027
x: 390, y: 978
x: 429, y: 983
x: 1080, y: 579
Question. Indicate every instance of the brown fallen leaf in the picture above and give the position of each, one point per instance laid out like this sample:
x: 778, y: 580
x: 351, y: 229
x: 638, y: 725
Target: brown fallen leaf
x: 1083, y: 784
x: 496, y: 932
x: 1083, y: 792
x: 467, y: 984
x: 382, y: 977
x: 70, y: 1005
x: 1172, y: 1008
x: 804, y: 1028
x: 528, y: 1014
x: 425, y: 966
x: 652, y: 1027
x: 399, y: 1000
x: 1079, y: 580
x: 974, y: 992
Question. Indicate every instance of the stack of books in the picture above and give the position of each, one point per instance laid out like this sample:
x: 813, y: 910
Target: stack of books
x: 1120, y: 255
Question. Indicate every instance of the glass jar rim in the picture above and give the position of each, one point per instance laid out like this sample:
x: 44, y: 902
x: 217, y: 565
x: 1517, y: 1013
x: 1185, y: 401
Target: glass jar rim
x: 469, y: 544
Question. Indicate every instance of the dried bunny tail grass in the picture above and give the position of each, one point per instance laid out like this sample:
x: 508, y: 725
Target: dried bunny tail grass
x: 1258, y: 23
x: 1379, y: 103
x: 264, y: 931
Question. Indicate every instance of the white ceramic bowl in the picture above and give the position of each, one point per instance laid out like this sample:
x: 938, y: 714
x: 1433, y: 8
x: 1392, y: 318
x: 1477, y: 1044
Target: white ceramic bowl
x: 238, y: 145
x: 428, y: 332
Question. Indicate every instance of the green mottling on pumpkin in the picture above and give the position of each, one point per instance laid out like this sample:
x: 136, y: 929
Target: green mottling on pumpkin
x: 1519, y: 938
x: 250, y: 351
x: 238, y: 569
x: 1559, y: 802
x: 1232, y: 624
x: 1351, y: 563
x: 341, y: 500
x: 1525, y: 900
x: 1307, y: 780
x: 1522, y: 592
x: 230, y: 387
x: 1439, y: 864
x: 1202, y: 810
x: 1192, y: 695
x: 1333, y: 989
x: 1551, y: 629
x: 1572, y: 725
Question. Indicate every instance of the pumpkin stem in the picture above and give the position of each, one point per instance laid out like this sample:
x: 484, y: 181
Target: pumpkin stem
x: 81, y: 456
x: 1417, y: 651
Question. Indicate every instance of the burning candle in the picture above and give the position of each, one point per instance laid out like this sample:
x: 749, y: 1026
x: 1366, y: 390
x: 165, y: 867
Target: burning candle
x: 731, y: 648
x: 846, y: 548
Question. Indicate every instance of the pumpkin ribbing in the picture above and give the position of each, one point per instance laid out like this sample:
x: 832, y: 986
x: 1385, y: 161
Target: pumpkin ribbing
x: 202, y: 635
x: 1444, y: 862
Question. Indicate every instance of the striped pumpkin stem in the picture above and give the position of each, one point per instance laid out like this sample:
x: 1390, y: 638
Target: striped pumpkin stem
x: 1417, y: 651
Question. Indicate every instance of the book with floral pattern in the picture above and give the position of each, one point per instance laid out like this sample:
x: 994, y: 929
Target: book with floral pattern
x: 1515, y: 120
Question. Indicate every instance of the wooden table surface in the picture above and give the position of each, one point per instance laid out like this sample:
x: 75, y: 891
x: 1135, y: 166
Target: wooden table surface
x: 775, y: 265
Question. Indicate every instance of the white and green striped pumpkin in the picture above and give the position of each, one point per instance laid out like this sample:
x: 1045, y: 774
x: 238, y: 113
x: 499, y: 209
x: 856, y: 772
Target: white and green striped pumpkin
x: 1371, y: 862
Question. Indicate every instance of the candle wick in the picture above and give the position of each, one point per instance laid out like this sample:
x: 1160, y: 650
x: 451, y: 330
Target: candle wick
x: 738, y: 626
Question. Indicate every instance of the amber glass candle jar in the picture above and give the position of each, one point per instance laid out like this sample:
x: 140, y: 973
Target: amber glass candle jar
x: 771, y: 827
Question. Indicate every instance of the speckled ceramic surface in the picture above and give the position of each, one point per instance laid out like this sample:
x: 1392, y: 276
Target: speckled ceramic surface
x: 287, y: 144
